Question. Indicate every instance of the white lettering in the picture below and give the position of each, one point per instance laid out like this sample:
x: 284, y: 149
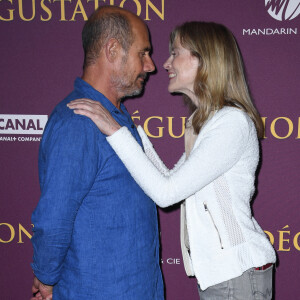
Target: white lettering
x: 22, y: 124
x: 173, y: 261
x: 270, y: 31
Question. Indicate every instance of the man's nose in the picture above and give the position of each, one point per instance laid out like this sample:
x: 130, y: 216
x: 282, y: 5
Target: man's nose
x: 149, y: 65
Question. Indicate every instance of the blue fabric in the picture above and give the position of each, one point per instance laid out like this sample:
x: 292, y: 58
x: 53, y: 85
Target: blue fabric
x: 95, y: 230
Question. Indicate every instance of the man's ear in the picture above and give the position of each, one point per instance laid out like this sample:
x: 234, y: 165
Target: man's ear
x: 112, y: 49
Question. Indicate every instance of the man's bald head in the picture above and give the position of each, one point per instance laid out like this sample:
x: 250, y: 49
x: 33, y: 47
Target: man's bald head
x: 105, y: 23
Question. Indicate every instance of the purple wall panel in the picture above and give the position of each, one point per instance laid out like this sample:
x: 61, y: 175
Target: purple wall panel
x: 39, y: 62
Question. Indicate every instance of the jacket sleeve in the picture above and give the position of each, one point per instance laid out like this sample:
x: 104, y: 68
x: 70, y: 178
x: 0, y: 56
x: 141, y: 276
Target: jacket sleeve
x: 153, y: 156
x: 221, y: 147
x: 68, y: 166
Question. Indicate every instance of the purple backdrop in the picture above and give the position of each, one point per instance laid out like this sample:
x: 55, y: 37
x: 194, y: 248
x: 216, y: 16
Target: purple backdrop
x: 40, y: 57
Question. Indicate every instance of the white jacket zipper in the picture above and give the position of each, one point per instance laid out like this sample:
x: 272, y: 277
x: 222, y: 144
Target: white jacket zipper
x: 219, y: 236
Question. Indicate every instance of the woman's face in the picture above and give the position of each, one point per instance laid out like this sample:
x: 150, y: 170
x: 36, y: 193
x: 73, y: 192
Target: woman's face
x: 182, y: 69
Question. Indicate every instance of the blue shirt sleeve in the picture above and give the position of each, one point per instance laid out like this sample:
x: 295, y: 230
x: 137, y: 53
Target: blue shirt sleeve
x: 69, y: 160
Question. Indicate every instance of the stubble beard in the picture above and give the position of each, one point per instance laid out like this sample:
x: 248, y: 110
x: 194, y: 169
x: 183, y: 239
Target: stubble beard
x: 124, y: 85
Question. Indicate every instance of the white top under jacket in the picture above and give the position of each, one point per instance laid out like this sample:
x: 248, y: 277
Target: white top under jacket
x: 217, y: 181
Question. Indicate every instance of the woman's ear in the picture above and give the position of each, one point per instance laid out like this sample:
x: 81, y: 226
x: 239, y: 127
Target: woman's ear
x: 112, y: 49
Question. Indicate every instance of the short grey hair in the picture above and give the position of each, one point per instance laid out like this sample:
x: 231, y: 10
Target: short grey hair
x: 99, y: 29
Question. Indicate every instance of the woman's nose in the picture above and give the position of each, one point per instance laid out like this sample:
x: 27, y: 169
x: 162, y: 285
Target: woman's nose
x: 167, y: 63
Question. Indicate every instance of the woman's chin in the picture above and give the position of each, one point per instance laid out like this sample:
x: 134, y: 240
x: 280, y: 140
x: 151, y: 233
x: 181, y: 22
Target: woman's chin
x: 172, y: 89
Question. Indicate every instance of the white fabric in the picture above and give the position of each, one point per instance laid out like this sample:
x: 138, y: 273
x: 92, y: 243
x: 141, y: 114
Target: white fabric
x: 155, y: 159
x: 217, y: 181
x: 190, y: 137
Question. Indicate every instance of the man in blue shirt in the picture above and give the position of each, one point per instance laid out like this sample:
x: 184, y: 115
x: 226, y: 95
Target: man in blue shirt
x: 95, y: 230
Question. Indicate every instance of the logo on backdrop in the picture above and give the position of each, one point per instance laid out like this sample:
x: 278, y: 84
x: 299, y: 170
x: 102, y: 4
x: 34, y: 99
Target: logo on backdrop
x: 12, y: 125
x: 280, y: 10
x: 284, y: 240
x: 283, y: 10
x: 76, y: 10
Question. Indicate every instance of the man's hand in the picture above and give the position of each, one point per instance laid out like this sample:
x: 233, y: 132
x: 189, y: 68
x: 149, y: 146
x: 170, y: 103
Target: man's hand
x: 41, y: 291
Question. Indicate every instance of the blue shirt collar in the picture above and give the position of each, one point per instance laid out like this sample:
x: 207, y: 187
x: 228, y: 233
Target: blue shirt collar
x: 96, y: 95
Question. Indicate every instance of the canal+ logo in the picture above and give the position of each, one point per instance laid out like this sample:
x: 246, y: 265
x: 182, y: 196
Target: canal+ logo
x: 283, y: 10
x: 22, y: 124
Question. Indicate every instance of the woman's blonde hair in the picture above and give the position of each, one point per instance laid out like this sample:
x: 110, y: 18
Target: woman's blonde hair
x: 220, y: 79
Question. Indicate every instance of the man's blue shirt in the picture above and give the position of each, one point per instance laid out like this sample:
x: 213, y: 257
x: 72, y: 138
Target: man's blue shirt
x: 95, y: 230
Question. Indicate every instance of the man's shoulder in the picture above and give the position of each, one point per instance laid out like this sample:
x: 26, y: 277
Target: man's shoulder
x: 61, y: 108
x: 61, y: 114
x: 64, y: 121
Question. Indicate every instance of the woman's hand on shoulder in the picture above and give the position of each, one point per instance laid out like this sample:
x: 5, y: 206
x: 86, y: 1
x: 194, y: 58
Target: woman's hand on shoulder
x: 97, y: 113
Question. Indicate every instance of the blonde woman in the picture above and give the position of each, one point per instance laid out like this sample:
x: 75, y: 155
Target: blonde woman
x: 222, y: 244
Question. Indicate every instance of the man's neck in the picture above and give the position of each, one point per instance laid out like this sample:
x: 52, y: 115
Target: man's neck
x: 102, y: 86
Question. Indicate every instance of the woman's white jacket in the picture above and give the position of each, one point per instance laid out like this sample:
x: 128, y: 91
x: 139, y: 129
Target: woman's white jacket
x: 217, y: 181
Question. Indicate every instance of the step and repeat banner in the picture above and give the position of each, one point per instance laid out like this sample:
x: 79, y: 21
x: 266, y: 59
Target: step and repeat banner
x: 41, y: 55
